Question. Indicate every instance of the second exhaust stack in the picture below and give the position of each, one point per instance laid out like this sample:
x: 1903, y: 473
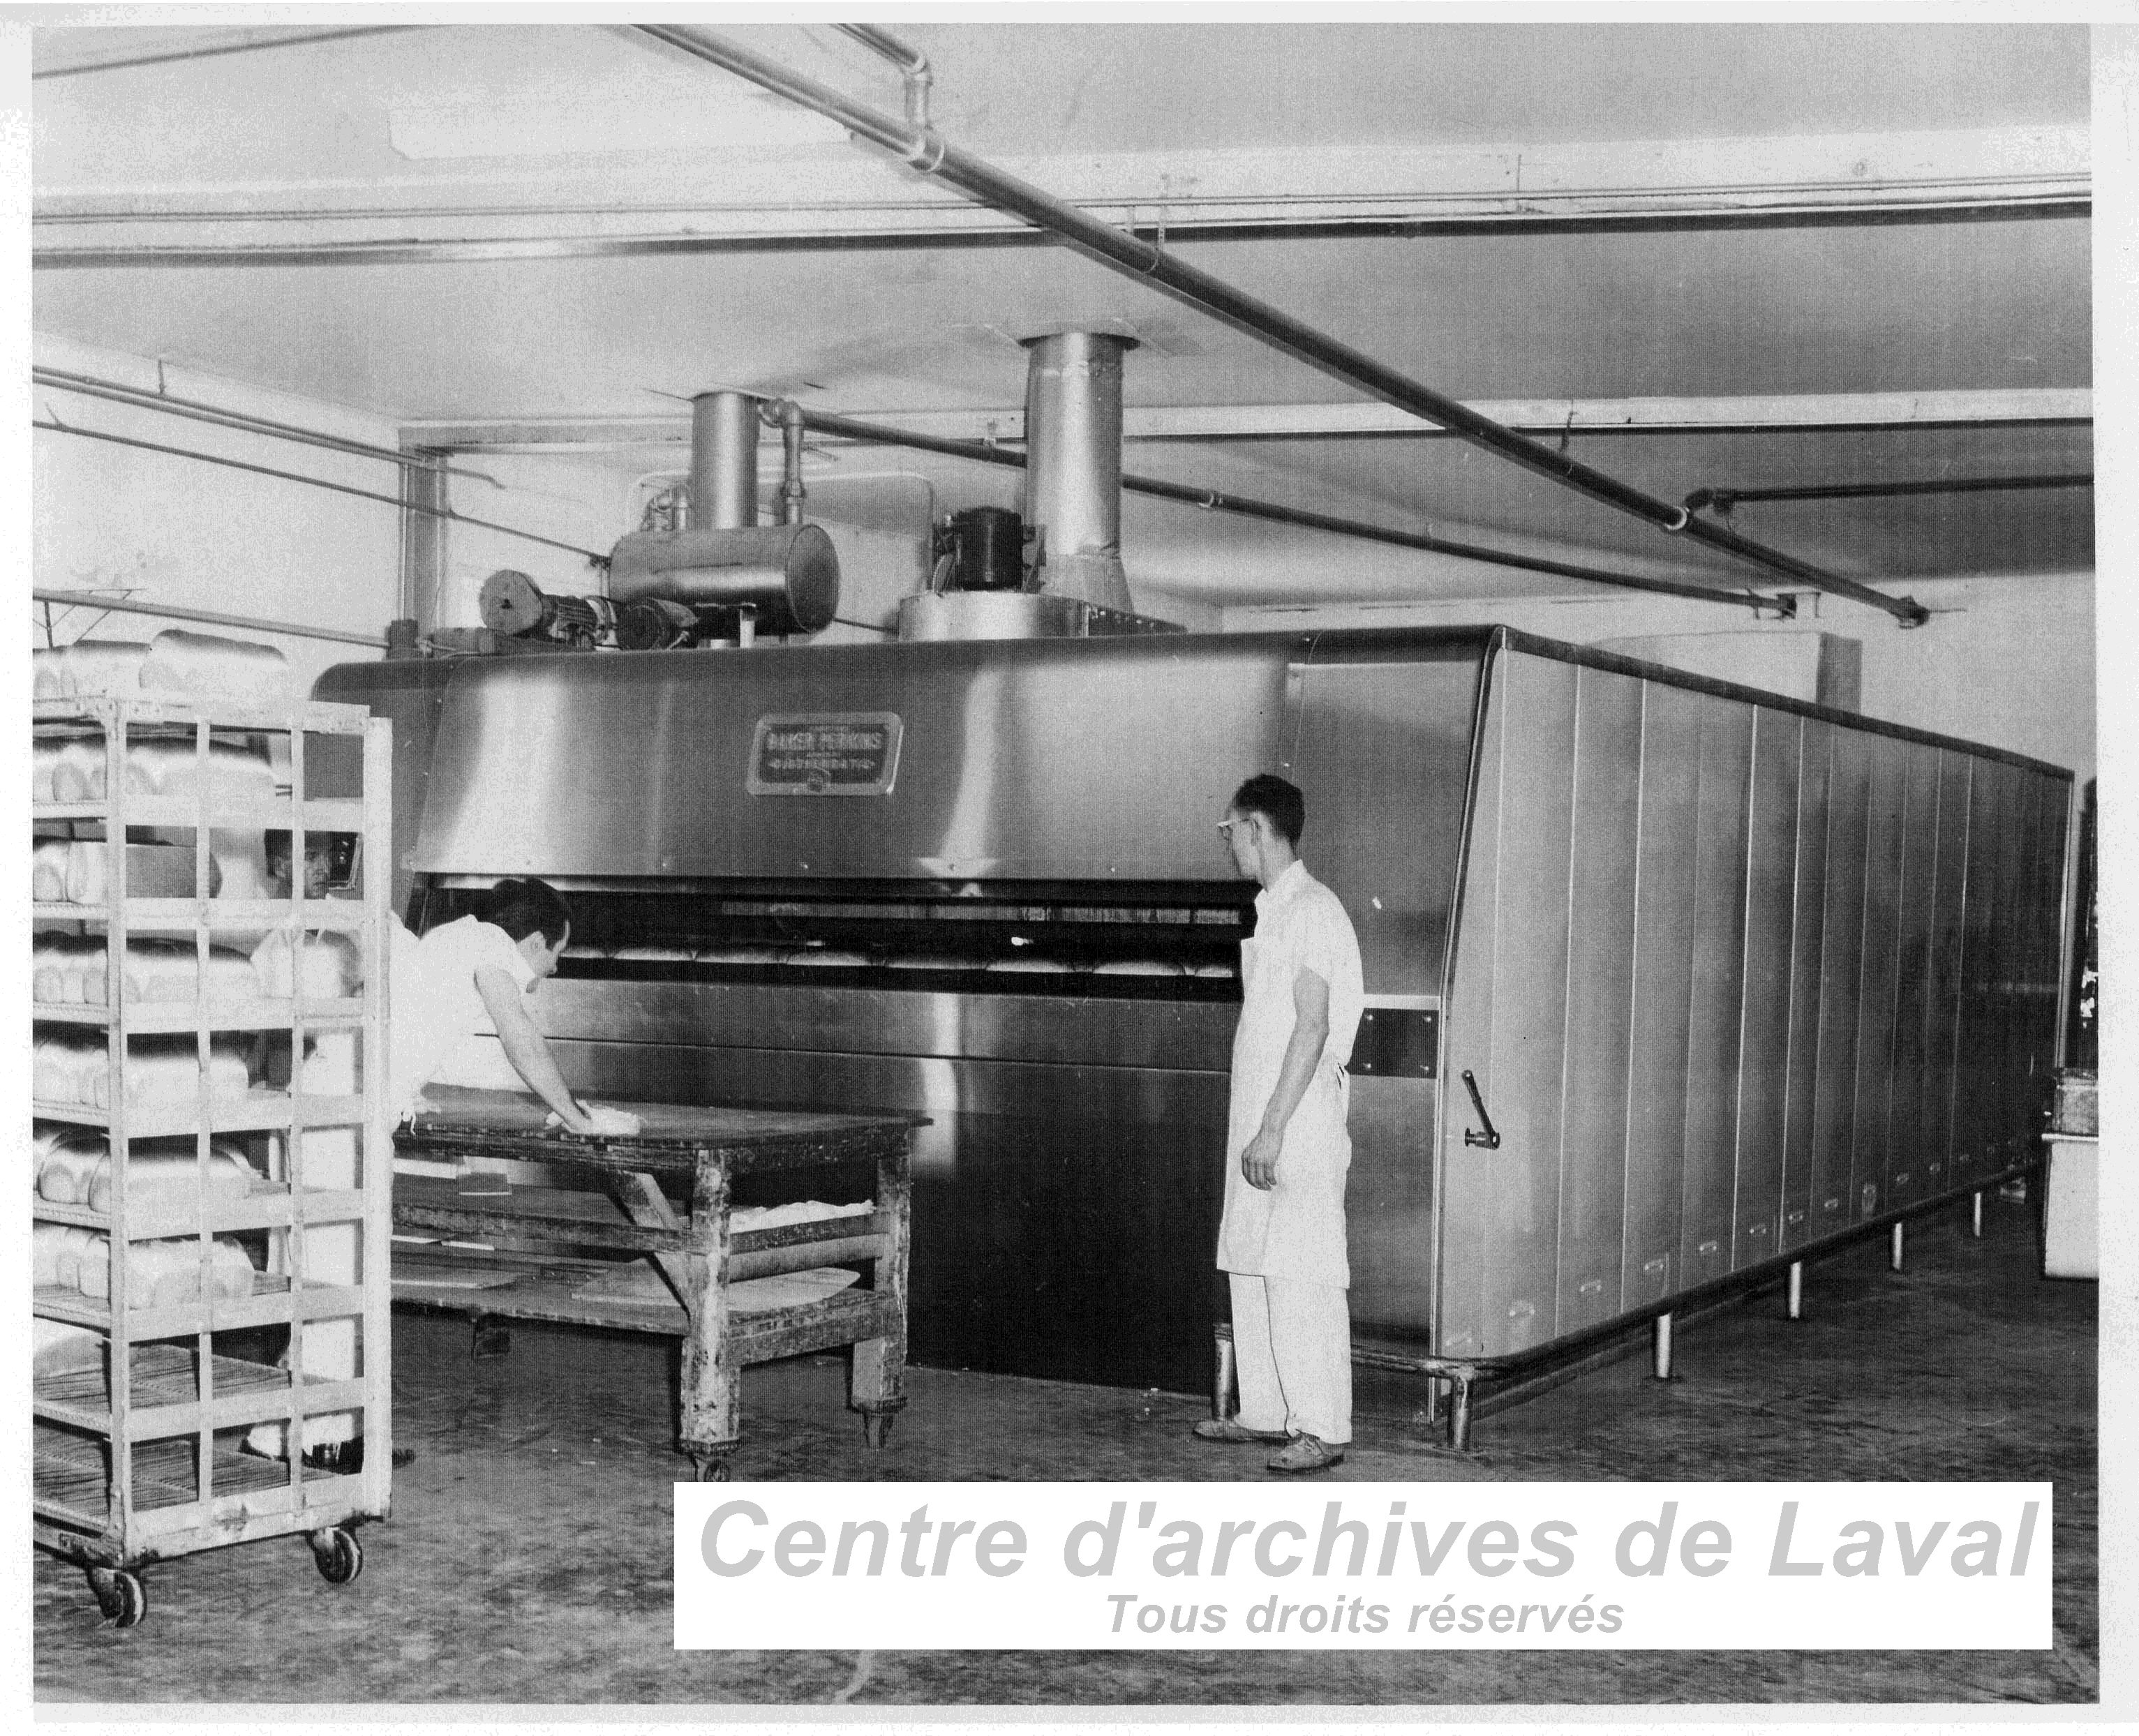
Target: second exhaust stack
x: 1072, y: 478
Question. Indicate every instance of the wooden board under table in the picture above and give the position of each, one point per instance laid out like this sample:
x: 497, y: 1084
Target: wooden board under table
x: 625, y: 1209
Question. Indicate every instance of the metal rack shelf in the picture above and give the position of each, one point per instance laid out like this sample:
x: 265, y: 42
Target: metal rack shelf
x: 137, y: 1458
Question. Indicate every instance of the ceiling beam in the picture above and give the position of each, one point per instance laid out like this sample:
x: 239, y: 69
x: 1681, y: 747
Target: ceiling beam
x: 1586, y: 416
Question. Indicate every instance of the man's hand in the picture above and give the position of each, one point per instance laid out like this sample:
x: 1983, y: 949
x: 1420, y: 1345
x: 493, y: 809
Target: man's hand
x: 595, y: 1121
x: 1259, y: 1159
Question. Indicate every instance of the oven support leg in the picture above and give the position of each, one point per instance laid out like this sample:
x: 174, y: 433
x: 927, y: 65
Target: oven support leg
x: 1797, y: 1289
x: 1660, y: 1348
x: 1975, y: 1214
x: 1894, y: 1249
x: 1459, y: 1413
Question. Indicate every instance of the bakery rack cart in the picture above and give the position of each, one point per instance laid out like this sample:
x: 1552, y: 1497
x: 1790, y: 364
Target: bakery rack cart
x: 139, y: 1452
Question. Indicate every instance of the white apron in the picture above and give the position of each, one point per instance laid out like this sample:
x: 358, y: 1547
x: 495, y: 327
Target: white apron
x: 1295, y: 1229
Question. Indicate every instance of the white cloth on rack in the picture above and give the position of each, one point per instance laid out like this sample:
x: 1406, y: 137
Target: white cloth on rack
x: 88, y: 668
x: 49, y: 864
x: 164, y: 1072
x: 163, y: 971
x: 179, y: 662
x: 68, y: 1067
x: 171, y: 770
x: 328, y: 965
x: 167, y: 1274
x: 57, y: 1349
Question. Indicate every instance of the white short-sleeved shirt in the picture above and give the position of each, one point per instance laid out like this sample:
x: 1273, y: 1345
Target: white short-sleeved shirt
x: 1301, y: 921
x: 437, y: 1011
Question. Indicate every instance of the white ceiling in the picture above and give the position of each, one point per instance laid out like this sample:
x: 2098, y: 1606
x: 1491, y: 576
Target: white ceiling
x: 516, y: 130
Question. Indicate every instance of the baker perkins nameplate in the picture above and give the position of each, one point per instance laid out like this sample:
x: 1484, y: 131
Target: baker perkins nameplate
x: 832, y: 753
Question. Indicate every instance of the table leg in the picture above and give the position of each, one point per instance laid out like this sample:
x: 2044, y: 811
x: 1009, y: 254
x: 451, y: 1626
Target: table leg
x: 877, y: 1380
x: 709, y: 1428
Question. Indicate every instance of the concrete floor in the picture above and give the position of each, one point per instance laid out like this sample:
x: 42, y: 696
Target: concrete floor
x: 526, y: 1561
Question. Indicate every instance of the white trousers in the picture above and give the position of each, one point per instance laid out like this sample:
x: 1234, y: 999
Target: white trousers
x: 1292, y: 1351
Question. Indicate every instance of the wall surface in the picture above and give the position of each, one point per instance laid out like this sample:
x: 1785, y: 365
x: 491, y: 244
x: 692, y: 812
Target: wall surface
x: 177, y: 531
x: 2009, y: 663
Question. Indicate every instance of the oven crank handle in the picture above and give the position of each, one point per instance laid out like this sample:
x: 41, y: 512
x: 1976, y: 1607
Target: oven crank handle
x: 1490, y: 1138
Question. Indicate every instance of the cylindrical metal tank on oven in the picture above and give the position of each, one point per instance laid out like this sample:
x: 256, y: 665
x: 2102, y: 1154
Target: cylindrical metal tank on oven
x: 1734, y: 975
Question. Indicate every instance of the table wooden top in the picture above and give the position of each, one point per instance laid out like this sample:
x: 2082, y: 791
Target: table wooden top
x: 510, y: 1123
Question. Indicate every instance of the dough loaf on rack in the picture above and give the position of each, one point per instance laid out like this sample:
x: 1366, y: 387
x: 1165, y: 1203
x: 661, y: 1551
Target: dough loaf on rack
x: 179, y: 662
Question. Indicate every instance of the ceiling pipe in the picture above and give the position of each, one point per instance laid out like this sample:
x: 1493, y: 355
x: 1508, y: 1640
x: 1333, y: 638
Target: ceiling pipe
x: 912, y: 65
x: 786, y: 415
x: 923, y: 149
x: 299, y: 40
x: 1211, y: 500
x: 394, y: 500
x: 208, y: 618
x: 90, y: 386
x: 1722, y: 500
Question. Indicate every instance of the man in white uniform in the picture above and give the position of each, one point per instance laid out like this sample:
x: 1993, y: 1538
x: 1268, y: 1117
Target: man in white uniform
x: 1281, y: 1240
x: 465, y: 977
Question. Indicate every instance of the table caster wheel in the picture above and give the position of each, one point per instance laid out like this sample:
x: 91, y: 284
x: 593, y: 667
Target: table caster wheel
x: 120, y: 1595
x: 712, y: 1471
x: 337, y: 1554
x: 876, y: 1427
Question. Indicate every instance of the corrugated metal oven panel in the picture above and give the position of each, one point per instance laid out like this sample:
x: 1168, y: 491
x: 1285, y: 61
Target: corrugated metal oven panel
x: 1807, y: 953
x: 1599, y: 999
x: 1875, y: 1000
x: 1663, y: 992
x: 1382, y: 755
x: 1469, y: 1175
x: 2047, y: 829
x: 1763, y: 1057
x: 1976, y: 1048
x: 1530, y: 1003
x: 1948, y: 916
x: 1842, y: 956
x: 1909, y: 1157
x: 1719, y: 989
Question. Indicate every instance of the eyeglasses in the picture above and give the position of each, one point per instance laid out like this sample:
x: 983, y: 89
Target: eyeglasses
x: 1225, y: 827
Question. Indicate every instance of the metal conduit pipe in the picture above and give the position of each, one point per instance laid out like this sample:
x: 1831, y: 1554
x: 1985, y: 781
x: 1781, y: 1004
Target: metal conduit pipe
x: 167, y: 612
x: 192, y: 409
x: 923, y: 149
x: 912, y: 65
x: 1723, y: 499
x: 792, y: 494
x: 1211, y: 500
x: 298, y: 40
x: 393, y: 500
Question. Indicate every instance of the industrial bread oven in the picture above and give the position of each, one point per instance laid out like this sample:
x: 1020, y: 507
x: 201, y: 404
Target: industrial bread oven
x: 1717, y: 977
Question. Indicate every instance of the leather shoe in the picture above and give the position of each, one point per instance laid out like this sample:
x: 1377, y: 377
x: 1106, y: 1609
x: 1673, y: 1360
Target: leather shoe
x: 1224, y: 1431
x: 1305, y: 1454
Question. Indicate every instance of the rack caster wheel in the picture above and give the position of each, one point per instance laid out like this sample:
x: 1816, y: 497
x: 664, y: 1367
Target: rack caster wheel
x: 120, y: 1595
x: 712, y: 1471
x: 337, y: 1554
x: 876, y: 1426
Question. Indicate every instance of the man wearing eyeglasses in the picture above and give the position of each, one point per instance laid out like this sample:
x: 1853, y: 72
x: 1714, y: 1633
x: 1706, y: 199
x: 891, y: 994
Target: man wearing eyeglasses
x: 1281, y: 1240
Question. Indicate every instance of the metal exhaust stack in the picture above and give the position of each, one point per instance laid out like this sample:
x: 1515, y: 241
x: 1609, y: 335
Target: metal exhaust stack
x: 775, y: 579
x: 1073, y: 508
x: 1073, y: 477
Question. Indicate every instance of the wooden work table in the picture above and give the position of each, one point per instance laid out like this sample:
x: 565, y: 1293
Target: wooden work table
x: 616, y: 1203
